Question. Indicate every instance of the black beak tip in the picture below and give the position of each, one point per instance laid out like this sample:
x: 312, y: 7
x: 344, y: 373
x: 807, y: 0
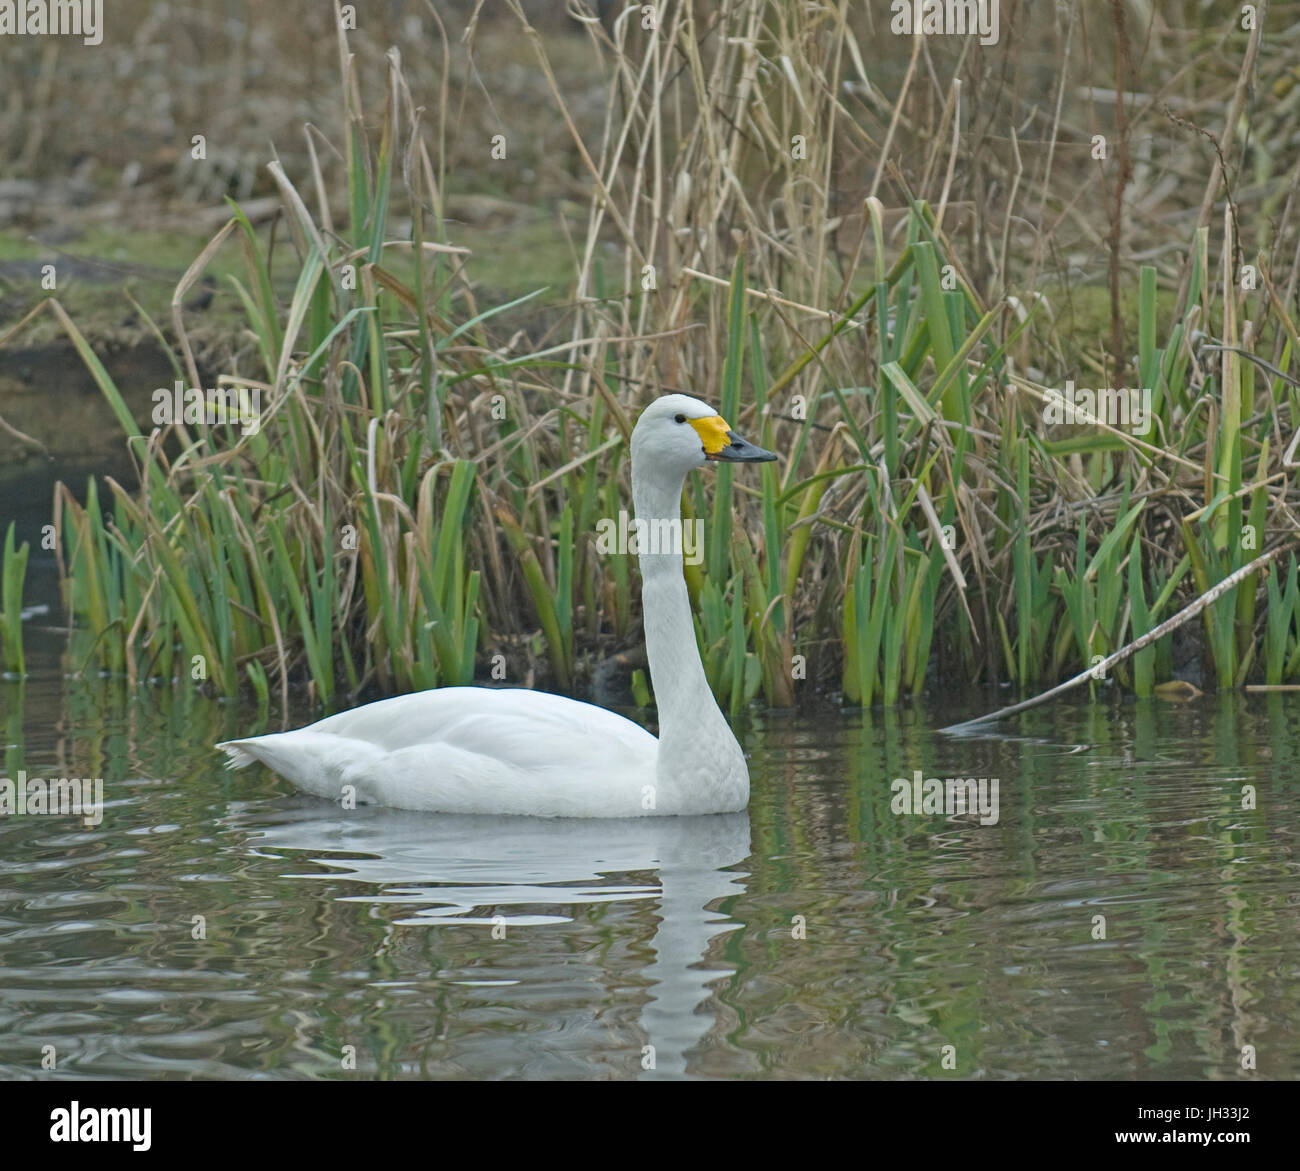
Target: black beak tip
x: 741, y: 451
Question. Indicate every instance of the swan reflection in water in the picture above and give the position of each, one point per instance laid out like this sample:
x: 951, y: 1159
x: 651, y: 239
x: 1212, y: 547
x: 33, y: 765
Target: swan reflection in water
x: 439, y: 868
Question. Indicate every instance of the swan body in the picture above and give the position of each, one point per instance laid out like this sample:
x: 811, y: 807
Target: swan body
x: 482, y: 750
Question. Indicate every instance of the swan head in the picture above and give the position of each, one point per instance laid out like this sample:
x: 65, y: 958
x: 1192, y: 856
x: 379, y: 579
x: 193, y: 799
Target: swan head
x: 676, y: 433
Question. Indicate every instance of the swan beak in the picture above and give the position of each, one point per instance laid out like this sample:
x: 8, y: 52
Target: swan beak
x: 740, y: 451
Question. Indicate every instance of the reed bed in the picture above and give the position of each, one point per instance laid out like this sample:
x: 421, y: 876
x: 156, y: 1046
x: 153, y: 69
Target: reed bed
x: 419, y: 500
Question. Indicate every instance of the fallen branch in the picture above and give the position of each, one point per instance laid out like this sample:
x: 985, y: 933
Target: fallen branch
x: 1093, y: 672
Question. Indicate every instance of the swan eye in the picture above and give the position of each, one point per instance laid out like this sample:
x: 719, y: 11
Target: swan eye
x: 681, y: 418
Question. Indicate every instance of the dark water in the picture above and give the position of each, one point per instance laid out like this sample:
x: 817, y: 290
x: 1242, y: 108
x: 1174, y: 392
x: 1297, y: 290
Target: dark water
x: 818, y: 935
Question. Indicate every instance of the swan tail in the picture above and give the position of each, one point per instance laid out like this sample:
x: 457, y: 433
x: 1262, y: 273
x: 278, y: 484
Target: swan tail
x: 237, y: 756
x: 289, y: 755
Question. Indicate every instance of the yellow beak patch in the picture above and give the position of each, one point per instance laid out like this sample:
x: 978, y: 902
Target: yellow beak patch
x: 714, y: 433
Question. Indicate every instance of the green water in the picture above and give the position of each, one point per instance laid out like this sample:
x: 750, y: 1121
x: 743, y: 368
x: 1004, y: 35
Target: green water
x: 819, y: 934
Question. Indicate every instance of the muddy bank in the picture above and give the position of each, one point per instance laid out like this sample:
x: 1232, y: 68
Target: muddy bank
x: 68, y: 431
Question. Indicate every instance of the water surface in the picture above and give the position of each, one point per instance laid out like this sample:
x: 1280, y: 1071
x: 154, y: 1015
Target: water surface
x: 216, y: 924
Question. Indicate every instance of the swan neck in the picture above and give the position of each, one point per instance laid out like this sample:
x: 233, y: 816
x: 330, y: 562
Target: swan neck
x: 688, y: 713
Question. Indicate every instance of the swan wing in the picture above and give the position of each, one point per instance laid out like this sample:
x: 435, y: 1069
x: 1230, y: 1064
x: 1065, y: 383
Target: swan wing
x: 469, y: 750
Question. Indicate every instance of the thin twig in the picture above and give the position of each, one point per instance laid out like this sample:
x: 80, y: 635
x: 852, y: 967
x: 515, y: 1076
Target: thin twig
x: 1094, y: 672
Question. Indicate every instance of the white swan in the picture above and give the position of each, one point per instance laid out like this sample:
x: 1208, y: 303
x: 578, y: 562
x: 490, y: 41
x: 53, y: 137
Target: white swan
x: 515, y: 751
